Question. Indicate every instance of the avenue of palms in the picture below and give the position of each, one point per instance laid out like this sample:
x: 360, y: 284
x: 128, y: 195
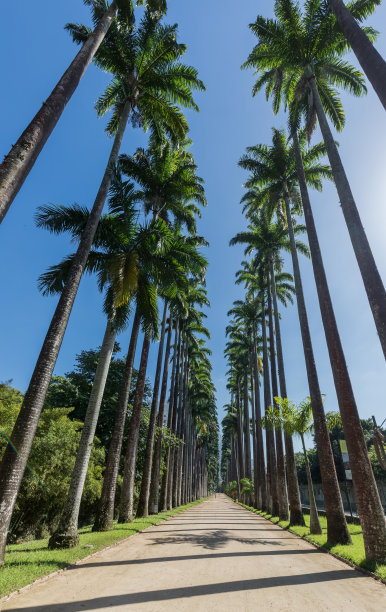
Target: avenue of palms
x: 142, y: 412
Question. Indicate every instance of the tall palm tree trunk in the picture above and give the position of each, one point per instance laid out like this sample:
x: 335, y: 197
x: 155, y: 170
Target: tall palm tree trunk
x: 105, y: 512
x: 22, y: 156
x: 281, y: 479
x: 260, y: 445
x: 375, y: 290
x: 296, y: 514
x: 315, y: 526
x: 182, y: 474
x: 127, y: 495
x: 369, y: 505
x: 178, y: 431
x: 337, y: 531
x: 247, y: 430
x: 165, y: 479
x: 12, y: 465
x: 66, y: 535
x: 174, y: 425
x: 372, y: 63
x: 181, y: 453
x: 156, y: 467
x: 256, y: 466
x: 247, y: 435
x: 270, y: 440
x: 240, y: 449
x: 143, y: 502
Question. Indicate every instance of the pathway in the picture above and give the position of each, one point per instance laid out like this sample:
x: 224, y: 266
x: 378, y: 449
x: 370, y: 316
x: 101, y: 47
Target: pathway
x: 215, y: 556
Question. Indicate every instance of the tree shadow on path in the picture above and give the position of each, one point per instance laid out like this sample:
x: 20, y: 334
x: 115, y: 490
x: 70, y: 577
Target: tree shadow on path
x: 192, y: 591
x: 217, y: 538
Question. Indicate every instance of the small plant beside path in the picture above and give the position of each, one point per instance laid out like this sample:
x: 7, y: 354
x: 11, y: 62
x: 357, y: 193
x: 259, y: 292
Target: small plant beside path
x: 354, y: 553
x: 28, y: 561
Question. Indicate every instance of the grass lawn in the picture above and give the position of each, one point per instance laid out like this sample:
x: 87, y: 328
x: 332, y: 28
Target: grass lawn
x: 28, y: 561
x: 355, y: 552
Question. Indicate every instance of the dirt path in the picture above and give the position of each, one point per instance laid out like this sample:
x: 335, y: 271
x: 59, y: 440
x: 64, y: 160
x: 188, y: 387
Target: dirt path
x: 215, y: 556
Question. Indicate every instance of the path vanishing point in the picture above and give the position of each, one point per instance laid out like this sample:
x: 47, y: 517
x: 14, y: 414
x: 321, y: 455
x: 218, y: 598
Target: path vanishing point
x: 214, y: 556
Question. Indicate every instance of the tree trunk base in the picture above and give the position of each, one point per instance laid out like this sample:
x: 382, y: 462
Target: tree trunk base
x: 337, y: 534
x: 297, y: 518
x: 126, y: 518
x: 141, y: 514
x: 103, y: 523
x: 63, y: 540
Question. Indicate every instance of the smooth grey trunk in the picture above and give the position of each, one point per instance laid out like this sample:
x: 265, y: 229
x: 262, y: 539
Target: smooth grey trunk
x: 337, y: 530
x: 256, y: 466
x: 295, y: 504
x: 259, y: 441
x: 372, y: 281
x: 177, y: 450
x: 247, y: 430
x: 174, y: 425
x: 165, y: 478
x: 66, y: 535
x: 126, y: 503
x: 105, y: 513
x: 369, y: 505
x: 22, y: 156
x: 281, y: 478
x: 273, y: 496
x: 371, y: 62
x: 181, y: 449
x: 315, y: 526
x: 12, y: 465
x: 143, y: 502
x: 240, y: 450
x: 156, y: 467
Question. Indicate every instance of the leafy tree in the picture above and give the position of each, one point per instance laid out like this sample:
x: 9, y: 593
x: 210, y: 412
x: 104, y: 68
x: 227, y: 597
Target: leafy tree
x: 52, y: 458
x: 274, y: 183
x: 74, y: 389
x: 298, y: 58
x: 299, y: 420
x: 149, y: 81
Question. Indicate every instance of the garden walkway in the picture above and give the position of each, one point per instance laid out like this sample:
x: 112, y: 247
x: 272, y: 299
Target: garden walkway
x: 214, y: 556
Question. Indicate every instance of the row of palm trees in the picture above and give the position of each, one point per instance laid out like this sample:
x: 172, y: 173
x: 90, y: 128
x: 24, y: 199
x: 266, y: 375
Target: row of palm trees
x: 298, y: 58
x: 144, y: 251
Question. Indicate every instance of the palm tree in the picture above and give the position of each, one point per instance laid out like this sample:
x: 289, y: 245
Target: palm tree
x: 274, y: 182
x: 299, y: 421
x: 366, y: 491
x: 238, y: 350
x: 298, y: 57
x: 372, y: 63
x: 193, y: 262
x: 105, y: 511
x: 190, y: 326
x: 131, y: 256
x: 268, y: 238
x: 148, y: 82
x: 22, y: 156
x: 166, y: 176
x: 156, y: 464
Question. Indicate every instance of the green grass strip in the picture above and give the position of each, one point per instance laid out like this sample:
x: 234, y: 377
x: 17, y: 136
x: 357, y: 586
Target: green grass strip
x: 28, y: 561
x: 354, y: 553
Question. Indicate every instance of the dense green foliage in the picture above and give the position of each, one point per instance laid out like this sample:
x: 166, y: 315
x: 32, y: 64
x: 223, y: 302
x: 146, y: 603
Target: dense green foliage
x: 52, y: 460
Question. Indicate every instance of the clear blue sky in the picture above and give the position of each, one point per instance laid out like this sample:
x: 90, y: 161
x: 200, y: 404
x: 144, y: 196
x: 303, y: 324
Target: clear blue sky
x: 35, y: 50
